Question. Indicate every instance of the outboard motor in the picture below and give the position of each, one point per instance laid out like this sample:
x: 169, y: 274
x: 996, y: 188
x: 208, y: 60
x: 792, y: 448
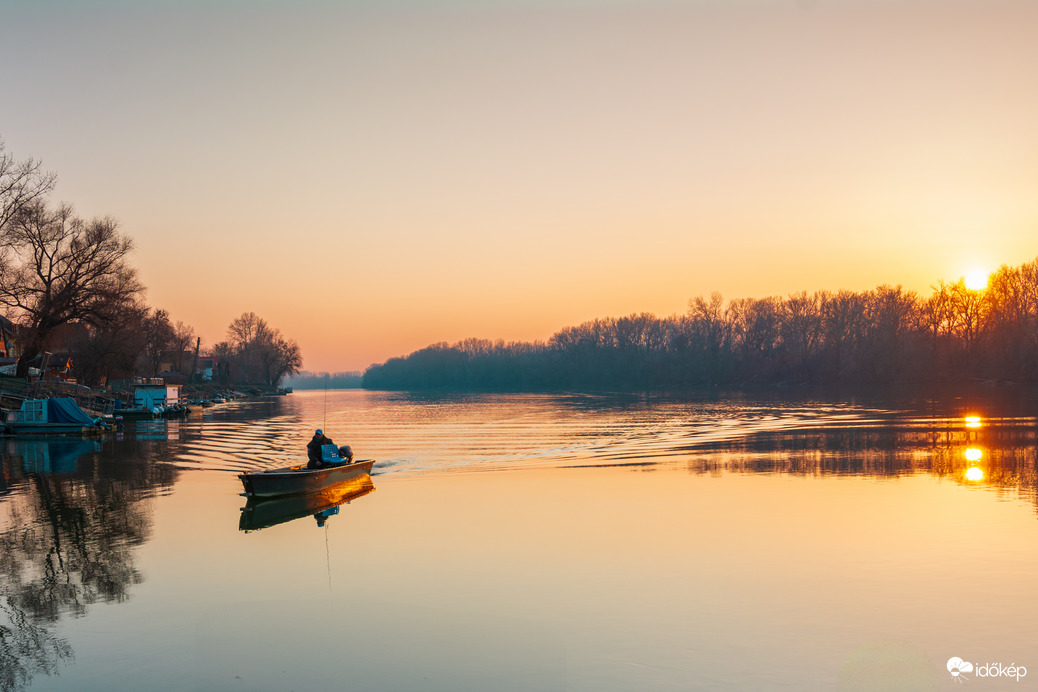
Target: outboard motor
x: 346, y: 453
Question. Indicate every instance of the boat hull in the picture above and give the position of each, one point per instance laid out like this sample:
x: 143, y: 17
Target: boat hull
x: 263, y: 512
x: 134, y: 413
x: 22, y: 429
x: 295, y: 480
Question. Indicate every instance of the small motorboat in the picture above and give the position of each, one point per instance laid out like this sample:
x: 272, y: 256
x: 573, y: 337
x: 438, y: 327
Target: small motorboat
x: 262, y: 512
x: 293, y: 480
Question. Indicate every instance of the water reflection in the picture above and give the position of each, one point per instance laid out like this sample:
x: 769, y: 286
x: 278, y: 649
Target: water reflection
x: 75, y: 511
x: 27, y: 650
x: 261, y: 513
x: 157, y: 429
x: 996, y: 453
x: 50, y: 456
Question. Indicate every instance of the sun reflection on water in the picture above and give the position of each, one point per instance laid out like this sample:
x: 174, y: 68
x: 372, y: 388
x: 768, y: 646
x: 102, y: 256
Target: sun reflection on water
x: 973, y: 473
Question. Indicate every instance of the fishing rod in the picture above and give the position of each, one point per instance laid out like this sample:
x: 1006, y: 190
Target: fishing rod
x: 324, y: 423
x: 328, y: 558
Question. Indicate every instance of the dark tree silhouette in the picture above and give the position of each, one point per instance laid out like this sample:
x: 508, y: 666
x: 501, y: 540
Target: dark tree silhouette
x: 57, y: 269
x: 158, y: 335
x: 21, y: 184
x: 885, y: 335
x: 257, y: 352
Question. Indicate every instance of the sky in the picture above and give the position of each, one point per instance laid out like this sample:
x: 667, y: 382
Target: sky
x: 373, y: 177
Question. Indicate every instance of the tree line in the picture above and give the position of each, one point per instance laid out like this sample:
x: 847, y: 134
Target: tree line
x: 885, y: 335
x: 67, y: 285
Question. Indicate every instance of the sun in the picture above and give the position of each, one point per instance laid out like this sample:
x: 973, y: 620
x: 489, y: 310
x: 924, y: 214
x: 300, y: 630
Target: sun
x: 977, y: 280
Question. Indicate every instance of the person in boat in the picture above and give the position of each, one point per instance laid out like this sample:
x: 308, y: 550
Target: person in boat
x: 313, y: 449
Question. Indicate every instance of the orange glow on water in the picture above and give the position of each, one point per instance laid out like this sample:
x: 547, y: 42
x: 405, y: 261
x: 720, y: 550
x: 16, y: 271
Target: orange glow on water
x: 974, y: 474
x: 973, y: 421
x: 973, y: 454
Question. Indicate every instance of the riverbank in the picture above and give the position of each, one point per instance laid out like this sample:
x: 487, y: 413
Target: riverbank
x: 213, y: 390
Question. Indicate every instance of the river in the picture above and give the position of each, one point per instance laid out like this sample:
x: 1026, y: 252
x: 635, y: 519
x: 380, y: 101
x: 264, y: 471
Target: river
x: 533, y: 542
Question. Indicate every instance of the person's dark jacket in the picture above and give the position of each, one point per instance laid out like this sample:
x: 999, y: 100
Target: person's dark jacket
x: 313, y: 452
x: 315, y: 459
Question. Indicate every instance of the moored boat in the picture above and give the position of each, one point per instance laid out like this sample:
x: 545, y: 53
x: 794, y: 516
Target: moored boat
x: 55, y: 416
x: 136, y: 413
x: 293, y: 480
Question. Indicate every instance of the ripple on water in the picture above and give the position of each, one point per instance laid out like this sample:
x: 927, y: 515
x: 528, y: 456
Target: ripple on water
x: 424, y: 434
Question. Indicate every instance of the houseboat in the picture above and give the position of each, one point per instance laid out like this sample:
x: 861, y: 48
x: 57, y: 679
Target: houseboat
x: 58, y: 416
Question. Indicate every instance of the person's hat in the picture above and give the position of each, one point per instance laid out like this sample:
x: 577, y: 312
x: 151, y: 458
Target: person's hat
x: 318, y: 432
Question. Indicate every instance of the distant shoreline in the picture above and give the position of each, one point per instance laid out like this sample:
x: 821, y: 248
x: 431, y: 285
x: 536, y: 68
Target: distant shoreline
x: 208, y: 390
x: 324, y: 380
x: 945, y: 390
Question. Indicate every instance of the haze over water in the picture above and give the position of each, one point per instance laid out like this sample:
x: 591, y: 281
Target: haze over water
x: 532, y: 542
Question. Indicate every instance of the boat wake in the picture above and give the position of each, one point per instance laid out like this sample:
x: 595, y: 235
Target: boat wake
x: 412, y: 435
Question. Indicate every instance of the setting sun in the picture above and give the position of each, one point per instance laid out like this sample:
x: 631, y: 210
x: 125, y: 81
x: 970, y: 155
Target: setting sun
x: 973, y: 454
x: 977, y: 280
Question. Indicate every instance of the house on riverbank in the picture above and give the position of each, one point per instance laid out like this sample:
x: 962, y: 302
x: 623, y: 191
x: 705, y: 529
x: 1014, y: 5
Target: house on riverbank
x: 152, y: 396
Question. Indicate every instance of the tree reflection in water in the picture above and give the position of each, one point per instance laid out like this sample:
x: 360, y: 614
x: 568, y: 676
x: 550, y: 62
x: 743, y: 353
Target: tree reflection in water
x: 892, y: 445
x: 27, y: 650
x: 68, y: 543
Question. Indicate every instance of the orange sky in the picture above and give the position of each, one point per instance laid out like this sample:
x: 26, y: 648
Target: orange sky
x: 374, y: 177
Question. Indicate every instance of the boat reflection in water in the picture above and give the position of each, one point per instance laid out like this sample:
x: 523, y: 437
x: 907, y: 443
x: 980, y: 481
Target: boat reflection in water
x: 48, y: 455
x: 261, y: 513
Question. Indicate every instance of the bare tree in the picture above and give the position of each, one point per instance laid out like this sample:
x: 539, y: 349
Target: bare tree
x: 279, y: 357
x: 111, y: 349
x: 969, y: 314
x: 56, y: 269
x: 225, y: 355
x: 21, y: 184
x: 158, y: 336
x: 843, y: 315
x: 711, y: 326
x: 245, y: 333
x: 802, y: 328
x: 183, y: 337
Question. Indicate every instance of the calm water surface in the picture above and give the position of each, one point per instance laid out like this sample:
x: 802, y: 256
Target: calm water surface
x: 531, y: 542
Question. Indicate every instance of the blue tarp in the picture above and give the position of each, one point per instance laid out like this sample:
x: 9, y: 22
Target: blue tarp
x: 66, y: 410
